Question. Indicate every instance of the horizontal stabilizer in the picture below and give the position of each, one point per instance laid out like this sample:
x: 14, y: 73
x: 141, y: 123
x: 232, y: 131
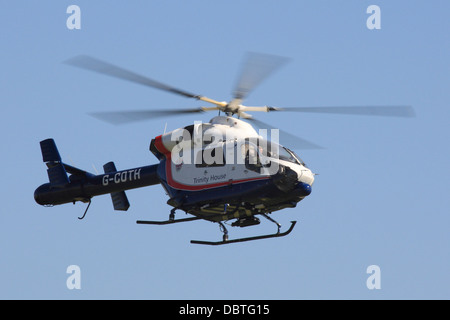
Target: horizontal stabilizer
x: 119, y: 199
x: 109, y: 167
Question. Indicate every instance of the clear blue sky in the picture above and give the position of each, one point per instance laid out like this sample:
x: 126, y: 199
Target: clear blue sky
x: 381, y: 197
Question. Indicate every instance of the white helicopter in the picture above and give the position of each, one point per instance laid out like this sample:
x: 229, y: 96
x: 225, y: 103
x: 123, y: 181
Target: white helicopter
x: 218, y: 171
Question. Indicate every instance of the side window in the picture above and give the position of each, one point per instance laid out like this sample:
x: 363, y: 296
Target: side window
x: 251, y: 156
x: 210, y: 157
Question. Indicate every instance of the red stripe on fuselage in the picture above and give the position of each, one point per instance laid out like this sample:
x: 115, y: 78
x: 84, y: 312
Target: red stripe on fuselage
x: 160, y: 146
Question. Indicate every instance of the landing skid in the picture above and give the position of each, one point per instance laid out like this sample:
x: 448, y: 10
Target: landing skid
x: 170, y: 221
x: 167, y: 221
x: 226, y: 241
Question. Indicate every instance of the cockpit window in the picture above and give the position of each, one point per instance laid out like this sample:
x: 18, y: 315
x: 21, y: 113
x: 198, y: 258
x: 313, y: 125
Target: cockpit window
x: 296, y: 157
x: 283, y: 154
x: 273, y: 150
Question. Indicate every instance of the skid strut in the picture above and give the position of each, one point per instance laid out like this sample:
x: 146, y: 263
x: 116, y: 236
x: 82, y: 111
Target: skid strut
x: 271, y: 220
x: 224, y: 230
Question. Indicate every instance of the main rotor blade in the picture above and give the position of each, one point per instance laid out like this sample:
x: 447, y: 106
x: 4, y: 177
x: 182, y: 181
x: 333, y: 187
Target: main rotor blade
x: 385, y: 111
x: 256, y: 68
x: 286, y: 139
x: 99, y: 66
x: 123, y: 117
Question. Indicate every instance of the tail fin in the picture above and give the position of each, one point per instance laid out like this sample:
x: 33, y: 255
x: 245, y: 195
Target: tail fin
x: 56, y: 172
x: 50, y: 151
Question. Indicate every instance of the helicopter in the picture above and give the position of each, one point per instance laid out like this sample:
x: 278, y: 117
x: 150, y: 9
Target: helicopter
x: 222, y: 171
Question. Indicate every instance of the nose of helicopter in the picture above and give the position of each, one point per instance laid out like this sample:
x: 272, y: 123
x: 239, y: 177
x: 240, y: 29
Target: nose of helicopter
x: 306, y: 180
x: 306, y: 177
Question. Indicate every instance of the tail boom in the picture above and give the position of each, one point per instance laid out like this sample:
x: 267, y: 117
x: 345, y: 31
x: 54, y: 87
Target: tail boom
x: 95, y: 185
x: 82, y: 185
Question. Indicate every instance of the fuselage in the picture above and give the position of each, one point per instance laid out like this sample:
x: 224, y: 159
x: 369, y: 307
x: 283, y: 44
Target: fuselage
x: 207, y: 167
